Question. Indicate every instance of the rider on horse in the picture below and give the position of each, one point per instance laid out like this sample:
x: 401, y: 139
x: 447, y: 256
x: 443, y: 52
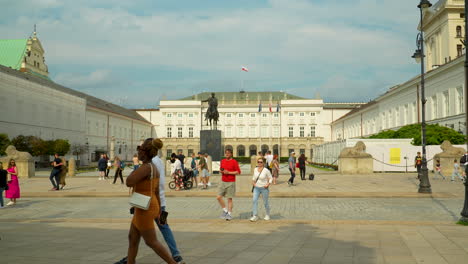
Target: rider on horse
x: 212, y: 112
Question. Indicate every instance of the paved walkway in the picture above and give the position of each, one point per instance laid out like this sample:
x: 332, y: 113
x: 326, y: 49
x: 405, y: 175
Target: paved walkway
x: 326, y: 184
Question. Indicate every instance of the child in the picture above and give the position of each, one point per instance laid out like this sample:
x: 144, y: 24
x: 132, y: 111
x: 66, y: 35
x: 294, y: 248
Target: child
x: 456, y: 170
x: 438, y: 171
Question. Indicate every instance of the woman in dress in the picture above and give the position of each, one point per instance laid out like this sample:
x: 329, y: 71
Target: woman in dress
x: 102, y: 165
x: 143, y: 220
x: 176, y: 172
x: 13, y: 191
x: 261, y: 180
x: 275, y: 169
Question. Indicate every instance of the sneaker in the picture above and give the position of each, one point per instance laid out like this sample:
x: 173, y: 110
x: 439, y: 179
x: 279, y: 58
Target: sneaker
x: 10, y: 203
x: 209, y: 184
x: 223, y: 215
x: 122, y: 261
x: 289, y: 183
x: 228, y: 217
x: 179, y: 260
x: 200, y: 184
x: 267, y: 217
x: 253, y: 218
x: 100, y: 178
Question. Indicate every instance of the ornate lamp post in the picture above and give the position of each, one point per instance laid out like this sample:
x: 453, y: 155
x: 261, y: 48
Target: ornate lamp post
x: 424, y: 184
x: 464, y: 212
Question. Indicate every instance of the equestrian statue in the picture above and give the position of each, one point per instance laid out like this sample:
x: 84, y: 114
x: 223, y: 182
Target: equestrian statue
x: 212, y: 114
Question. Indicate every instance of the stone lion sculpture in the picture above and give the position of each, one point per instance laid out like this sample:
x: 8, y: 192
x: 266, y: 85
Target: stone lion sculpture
x: 358, y: 151
x: 448, y: 150
x: 12, y: 153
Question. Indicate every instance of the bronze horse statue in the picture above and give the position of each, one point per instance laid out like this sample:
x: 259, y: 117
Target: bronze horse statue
x: 212, y: 114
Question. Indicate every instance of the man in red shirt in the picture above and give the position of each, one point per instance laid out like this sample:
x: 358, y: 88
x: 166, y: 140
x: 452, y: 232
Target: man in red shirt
x: 229, y: 169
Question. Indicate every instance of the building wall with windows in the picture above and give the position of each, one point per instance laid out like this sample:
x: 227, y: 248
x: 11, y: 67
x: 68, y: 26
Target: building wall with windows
x: 444, y: 84
x: 292, y: 124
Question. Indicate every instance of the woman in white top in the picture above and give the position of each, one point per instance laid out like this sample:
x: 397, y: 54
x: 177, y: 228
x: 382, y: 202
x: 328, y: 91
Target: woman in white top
x: 261, y: 180
x: 176, y: 172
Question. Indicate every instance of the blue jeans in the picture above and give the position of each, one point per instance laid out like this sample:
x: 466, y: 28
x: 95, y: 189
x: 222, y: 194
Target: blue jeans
x: 55, y: 178
x: 256, y: 194
x: 1, y: 196
x: 168, y: 237
x: 293, y: 174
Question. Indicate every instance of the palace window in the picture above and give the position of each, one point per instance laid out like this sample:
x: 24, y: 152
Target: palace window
x: 276, y: 131
x: 312, y: 114
x: 264, y: 132
x: 301, y: 131
x: 290, y: 114
x: 434, y: 107
x: 264, y: 115
x: 312, y: 131
x: 446, y: 103
x: 275, y: 115
x: 190, y: 115
x: 168, y: 115
x: 301, y: 114
x: 169, y: 133
x: 190, y: 152
x: 241, y: 115
x: 179, y: 132
x: 228, y: 115
x: 252, y: 115
x: 228, y: 131
x: 190, y: 132
x: 459, y: 31
x: 168, y: 152
x: 179, y: 115
x: 459, y: 50
x: 291, y: 131
x: 241, y: 131
x: 253, y: 132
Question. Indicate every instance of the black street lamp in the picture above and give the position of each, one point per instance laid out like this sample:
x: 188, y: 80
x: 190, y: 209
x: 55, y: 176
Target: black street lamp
x: 464, y: 212
x: 424, y: 184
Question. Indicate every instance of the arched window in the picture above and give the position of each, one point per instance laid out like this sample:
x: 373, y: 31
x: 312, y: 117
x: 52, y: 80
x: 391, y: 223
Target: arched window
x: 241, y: 151
x: 275, y: 149
x: 265, y: 148
x: 459, y: 31
x: 252, y: 150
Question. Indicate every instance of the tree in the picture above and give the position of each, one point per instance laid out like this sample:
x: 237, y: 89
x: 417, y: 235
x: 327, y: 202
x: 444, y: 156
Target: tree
x: 4, y: 143
x: 78, y: 149
x: 61, y: 146
x: 38, y: 146
x: 435, y: 134
x: 22, y: 143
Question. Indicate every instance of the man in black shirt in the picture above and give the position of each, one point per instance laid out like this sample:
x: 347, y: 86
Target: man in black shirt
x: 181, y: 157
x: 55, y: 174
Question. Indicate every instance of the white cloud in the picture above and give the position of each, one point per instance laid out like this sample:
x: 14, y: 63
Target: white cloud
x: 287, y: 38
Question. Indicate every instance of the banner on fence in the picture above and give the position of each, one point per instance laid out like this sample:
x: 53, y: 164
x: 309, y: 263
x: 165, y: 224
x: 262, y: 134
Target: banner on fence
x: 395, y: 155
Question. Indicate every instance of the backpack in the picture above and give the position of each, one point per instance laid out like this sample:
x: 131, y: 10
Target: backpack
x: 311, y: 176
x: 122, y: 164
x: 463, y: 160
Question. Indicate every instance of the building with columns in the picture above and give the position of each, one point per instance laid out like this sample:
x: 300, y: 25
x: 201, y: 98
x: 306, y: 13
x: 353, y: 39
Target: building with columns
x: 250, y: 122
x: 31, y: 104
x: 443, y: 25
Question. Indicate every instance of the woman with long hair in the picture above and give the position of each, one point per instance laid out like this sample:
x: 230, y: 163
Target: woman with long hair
x: 261, y: 180
x: 302, y: 166
x: 109, y: 166
x: 143, y: 220
x: 275, y: 169
x: 13, y: 191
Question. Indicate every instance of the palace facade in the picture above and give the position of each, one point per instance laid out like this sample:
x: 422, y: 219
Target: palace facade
x: 249, y: 121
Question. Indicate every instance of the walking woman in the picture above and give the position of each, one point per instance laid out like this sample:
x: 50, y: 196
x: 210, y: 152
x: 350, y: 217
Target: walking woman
x: 302, y: 166
x: 176, y: 171
x: 275, y: 169
x: 118, y: 170
x: 13, y: 191
x: 3, y: 183
x: 146, y: 183
x: 261, y: 181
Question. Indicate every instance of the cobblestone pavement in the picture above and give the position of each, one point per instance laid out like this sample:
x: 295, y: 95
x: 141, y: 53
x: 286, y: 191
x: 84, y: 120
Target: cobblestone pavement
x: 390, y: 209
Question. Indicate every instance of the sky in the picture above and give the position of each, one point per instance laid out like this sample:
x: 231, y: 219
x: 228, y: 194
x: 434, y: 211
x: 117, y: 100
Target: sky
x: 135, y: 53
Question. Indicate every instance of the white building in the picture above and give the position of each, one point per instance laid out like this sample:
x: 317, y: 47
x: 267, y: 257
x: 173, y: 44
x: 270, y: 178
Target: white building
x: 444, y: 83
x: 285, y: 123
x: 33, y: 105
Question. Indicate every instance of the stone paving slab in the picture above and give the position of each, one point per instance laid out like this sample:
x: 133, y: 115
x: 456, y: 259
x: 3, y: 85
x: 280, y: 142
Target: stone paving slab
x: 326, y: 184
x: 238, y: 242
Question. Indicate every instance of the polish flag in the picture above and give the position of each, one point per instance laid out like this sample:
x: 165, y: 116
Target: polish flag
x: 244, y: 69
x: 270, y: 107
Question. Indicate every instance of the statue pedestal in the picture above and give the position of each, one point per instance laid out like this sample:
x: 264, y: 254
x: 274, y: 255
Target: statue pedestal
x: 24, y: 162
x: 210, y: 142
x: 356, y: 165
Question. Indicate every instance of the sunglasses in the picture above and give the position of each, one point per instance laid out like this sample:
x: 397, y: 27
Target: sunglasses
x: 259, y: 161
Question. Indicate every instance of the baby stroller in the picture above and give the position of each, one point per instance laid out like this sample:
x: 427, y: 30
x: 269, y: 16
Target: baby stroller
x: 186, y: 180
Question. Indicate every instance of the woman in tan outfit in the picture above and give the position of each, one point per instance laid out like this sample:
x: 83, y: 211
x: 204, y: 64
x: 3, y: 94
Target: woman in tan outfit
x: 143, y: 220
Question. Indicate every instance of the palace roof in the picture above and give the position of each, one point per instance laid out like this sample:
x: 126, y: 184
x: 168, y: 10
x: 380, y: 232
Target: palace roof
x: 12, y: 52
x: 243, y: 95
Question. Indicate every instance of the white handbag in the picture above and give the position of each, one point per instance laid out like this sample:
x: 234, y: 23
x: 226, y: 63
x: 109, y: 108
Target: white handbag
x: 139, y: 200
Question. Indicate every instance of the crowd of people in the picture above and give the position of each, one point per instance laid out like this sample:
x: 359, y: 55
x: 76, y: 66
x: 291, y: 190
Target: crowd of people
x: 456, y: 169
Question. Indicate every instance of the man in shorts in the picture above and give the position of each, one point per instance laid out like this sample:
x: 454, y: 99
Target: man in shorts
x: 227, y: 188
x: 203, y: 170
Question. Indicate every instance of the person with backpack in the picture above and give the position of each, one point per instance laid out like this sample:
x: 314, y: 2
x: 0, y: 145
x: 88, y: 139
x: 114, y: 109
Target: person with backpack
x: 193, y: 165
x: 119, y: 165
x: 418, y: 163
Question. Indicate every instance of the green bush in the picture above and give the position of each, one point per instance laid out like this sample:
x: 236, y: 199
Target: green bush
x: 435, y: 134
